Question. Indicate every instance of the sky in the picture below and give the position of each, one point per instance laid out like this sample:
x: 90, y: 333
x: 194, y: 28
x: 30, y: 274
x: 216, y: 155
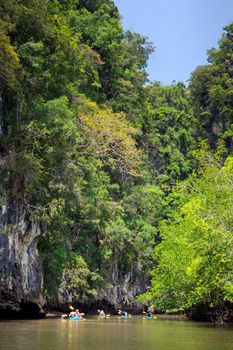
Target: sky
x: 181, y: 30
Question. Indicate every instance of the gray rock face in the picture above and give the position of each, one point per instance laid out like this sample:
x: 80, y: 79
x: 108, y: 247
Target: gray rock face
x: 21, y: 279
x: 123, y: 288
x: 119, y: 290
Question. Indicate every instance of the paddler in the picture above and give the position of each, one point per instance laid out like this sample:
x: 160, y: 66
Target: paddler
x: 124, y: 314
x: 102, y: 314
x: 77, y: 314
x: 149, y: 314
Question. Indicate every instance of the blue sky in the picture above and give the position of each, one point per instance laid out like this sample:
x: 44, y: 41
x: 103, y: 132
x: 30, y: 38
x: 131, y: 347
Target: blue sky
x: 181, y: 30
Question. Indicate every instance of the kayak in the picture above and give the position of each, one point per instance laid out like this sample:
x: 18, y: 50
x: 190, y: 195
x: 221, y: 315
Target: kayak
x: 75, y: 318
x: 149, y: 317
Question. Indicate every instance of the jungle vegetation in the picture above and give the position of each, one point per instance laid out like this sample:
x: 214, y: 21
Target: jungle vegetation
x: 116, y: 168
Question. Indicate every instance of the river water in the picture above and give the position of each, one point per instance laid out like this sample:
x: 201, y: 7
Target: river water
x: 114, y: 333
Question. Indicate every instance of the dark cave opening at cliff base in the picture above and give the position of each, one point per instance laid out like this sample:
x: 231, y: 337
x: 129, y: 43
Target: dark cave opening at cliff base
x: 26, y: 310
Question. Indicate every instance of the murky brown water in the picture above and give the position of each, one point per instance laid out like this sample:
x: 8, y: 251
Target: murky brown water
x: 114, y: 333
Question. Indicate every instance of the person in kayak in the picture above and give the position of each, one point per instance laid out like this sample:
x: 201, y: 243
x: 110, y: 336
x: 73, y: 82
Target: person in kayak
x: 149, y: 314
x: 77, y: 314
x: 124, y: 314
x: 102, y: 314
x: 72, y: 314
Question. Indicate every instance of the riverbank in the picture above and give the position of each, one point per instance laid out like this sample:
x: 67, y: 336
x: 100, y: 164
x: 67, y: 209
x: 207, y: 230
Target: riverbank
x: 221, y: 314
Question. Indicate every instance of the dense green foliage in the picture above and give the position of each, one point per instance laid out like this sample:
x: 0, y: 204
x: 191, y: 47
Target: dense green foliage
x: 211, y: 92
x: 69, y: 163
x: 168, y: 131
x: 194, y: 260
x: 108, y: 165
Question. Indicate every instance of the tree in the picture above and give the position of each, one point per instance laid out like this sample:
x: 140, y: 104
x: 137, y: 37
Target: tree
x: 211, y: 93
x: 167, y: 128
x: 111, y: 136
x: 9, y: 60
x: 194, y: 259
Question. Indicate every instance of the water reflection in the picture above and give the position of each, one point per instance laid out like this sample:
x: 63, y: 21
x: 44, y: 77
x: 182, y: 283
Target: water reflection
x: 135, y: 333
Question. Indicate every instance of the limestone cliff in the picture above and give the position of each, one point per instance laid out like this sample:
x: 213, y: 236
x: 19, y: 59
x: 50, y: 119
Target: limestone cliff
x: 122, y: 288
x: 21, y: 279
x: 118, y: 290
